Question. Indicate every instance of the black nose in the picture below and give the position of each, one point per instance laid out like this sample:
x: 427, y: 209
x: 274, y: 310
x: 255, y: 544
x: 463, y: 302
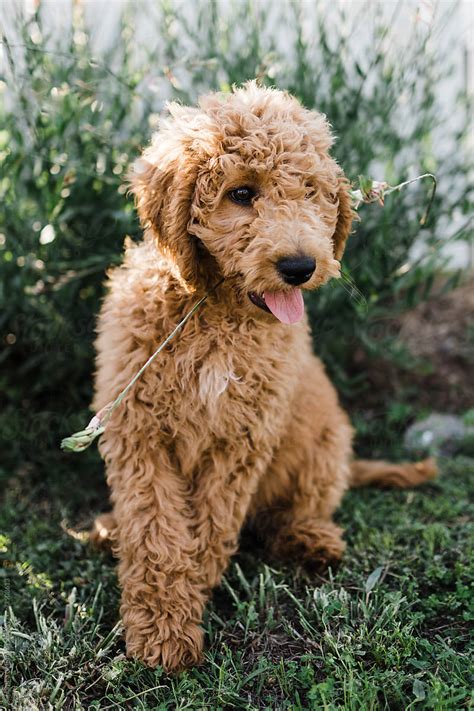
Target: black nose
x: 296, y: 270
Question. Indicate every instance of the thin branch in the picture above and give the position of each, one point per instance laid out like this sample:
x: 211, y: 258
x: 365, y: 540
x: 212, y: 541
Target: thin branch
x: 83, y: 439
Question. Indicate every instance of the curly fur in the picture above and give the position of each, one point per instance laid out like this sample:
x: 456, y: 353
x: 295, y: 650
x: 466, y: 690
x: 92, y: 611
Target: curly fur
x: 237, y: 420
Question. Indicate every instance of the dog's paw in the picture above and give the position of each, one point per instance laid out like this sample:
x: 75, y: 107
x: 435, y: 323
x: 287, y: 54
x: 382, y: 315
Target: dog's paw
x: 175, y: 649
x: 317, y: 544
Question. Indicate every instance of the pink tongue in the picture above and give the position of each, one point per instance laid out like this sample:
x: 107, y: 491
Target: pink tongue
x: 287, y: 307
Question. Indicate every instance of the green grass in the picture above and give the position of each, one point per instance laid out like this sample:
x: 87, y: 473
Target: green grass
x: 388, y: 629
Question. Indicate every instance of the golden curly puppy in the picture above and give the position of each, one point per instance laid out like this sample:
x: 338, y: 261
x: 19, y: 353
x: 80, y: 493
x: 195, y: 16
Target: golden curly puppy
x: 237, y: 419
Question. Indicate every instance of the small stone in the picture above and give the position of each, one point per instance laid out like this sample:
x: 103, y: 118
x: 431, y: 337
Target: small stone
x: 437, y: 434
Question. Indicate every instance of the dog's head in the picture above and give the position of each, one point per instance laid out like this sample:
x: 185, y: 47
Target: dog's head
x: 244, y: 187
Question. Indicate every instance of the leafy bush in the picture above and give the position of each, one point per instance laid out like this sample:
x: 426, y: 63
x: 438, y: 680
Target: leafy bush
x: 73, y: 118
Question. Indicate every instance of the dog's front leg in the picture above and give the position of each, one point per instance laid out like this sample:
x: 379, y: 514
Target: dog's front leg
x: 162, y: 592
x: 227, y: 484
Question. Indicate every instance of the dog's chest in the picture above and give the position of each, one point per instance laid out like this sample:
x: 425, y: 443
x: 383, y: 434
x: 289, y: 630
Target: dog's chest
x: 219, y: 386
x: 232, y: 406
x: 214, y: 377
x: 238, y: 381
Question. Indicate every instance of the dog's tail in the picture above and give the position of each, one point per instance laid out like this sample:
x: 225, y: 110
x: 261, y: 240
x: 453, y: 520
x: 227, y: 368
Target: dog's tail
x: 385, y: 474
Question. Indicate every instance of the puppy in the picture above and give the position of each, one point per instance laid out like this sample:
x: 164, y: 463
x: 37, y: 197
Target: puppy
x: 236, y: 420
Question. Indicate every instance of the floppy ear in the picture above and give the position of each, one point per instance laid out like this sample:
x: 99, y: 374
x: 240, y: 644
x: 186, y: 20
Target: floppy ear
x: 345, y: 217
x: 163, y: 182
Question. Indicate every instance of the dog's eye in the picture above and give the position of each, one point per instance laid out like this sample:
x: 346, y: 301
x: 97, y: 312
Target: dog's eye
x: 243, y: 195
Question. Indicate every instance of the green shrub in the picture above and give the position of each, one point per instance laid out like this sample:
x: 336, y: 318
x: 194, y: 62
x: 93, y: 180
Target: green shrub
x: 72, y: 119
